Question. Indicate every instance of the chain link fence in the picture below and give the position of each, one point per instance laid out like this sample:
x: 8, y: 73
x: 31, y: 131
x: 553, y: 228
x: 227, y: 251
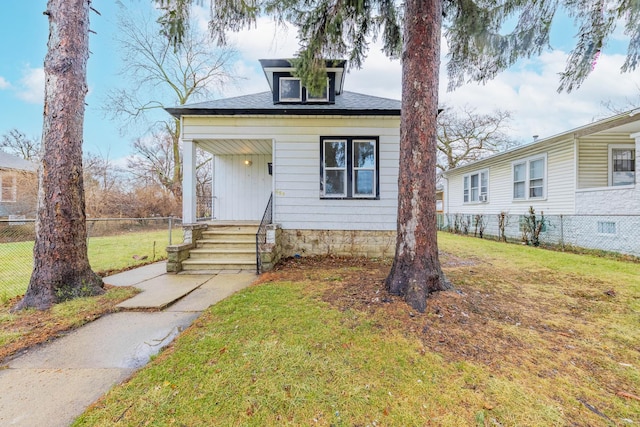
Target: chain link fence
x: 607, y: 233
x: 113, y: 243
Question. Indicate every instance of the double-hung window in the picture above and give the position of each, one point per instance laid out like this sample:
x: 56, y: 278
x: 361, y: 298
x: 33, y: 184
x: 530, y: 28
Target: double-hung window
x: 622, y: 165
x: 349, y: 167
x: 529, y: 178
x: 476, y: 187
x: 8, y: 188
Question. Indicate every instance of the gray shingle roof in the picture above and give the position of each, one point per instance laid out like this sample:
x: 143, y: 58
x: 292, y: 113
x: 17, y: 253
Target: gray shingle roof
x: 8, y: 161
x: 349, y: 103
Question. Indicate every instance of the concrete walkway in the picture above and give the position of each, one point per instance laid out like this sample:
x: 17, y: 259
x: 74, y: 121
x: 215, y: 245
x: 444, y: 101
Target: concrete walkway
x: 53, y: 384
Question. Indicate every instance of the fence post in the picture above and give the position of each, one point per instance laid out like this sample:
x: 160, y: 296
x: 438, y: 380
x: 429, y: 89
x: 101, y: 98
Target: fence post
x: 562, y: 232
x: 170, y: 229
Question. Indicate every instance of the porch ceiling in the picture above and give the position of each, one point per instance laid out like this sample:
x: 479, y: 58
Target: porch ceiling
x: 235, y: 146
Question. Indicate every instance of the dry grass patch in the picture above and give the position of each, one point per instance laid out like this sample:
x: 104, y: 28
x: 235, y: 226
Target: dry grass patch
x: 529, y: 337
x: 26, y: 328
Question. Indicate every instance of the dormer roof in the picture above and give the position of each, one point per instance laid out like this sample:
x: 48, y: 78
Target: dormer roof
x: 271, y: 66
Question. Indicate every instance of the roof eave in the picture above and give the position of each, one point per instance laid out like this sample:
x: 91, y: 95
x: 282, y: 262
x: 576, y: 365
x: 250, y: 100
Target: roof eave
x: 178, y: 112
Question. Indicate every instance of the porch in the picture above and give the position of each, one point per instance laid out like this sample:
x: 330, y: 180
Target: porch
x: 214, y: 246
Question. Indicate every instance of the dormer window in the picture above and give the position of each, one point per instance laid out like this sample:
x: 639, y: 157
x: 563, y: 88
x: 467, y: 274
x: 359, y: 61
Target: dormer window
x: 290, y: 89
x: 286, y: 88
x: 323, y: 97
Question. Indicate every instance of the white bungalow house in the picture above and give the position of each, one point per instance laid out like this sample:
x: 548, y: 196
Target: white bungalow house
x: 588, y: 173
x: 320, y: 171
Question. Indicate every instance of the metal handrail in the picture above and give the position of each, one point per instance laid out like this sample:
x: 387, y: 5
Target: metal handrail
x: 261, y: 235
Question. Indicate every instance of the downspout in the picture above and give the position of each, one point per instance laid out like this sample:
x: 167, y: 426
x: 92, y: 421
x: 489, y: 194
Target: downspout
x: 445, y: 202
x: 576, y: 169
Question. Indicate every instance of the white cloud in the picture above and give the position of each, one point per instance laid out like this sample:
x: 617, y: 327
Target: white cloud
x: 528, y: 89
x: 4, y: 84
x: 31, y: 87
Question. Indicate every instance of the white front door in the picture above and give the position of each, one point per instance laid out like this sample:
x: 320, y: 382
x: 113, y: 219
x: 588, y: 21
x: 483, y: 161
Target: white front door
x: 242, y: 186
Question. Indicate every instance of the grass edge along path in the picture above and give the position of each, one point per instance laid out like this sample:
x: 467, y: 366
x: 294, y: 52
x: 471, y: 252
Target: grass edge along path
x: 26, y: 328
x: 532, y: 339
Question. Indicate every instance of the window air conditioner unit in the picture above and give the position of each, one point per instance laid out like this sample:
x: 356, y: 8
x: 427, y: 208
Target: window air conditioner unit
x: 483, y: 198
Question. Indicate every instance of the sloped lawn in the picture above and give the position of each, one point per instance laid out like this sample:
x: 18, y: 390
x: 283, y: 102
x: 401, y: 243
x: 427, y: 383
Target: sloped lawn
x: 529, y: 338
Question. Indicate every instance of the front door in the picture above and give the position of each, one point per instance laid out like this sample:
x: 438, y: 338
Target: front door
x: 242, y: 186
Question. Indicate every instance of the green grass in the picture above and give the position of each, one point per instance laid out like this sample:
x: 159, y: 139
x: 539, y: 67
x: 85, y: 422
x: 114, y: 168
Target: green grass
x: 279, y: 354
x: 106, y: 254
x: 271, y: 356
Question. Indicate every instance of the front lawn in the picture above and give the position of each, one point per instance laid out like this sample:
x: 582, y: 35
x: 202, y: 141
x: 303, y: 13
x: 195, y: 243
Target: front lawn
x: 528, y: 338
x: 106, y: 254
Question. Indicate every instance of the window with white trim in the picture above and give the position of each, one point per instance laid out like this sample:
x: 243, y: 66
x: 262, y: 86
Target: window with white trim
x: 8, y: 188
x: 476, y: 187
x: 529, y: 178
x: 290, y: 89
x: 606, y: 227
x: 622, y: 164
x: 349, y: 167
x: 323, y: 97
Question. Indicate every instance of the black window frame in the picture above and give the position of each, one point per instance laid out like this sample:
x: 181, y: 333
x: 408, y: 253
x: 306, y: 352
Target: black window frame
x: 349, y: 140
x: 305, y: 99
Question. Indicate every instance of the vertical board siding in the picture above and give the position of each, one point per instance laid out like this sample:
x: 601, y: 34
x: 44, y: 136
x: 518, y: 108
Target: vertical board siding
x: 241, y: 192
x: 296, y: 162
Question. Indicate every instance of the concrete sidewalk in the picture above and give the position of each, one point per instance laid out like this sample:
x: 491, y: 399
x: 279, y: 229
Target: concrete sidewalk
x: 53, y: 384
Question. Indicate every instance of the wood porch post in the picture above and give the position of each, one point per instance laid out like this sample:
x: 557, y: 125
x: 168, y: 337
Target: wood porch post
x: 188, y: 181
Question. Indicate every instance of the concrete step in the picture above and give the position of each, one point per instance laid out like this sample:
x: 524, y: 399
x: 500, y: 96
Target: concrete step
x: 232, y: 229
x: 226, y: 245
x: 208, y: 264
x: 223, y: 254
x: 225, y: 240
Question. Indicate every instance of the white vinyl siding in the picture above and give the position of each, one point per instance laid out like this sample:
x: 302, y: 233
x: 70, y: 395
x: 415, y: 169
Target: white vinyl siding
x: 296, y: 171
x: 593, y: 163
x: 560, y: 183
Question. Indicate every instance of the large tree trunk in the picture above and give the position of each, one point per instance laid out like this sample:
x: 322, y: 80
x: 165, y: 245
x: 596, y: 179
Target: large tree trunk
x: 61, y: 267
x: 416, y: 272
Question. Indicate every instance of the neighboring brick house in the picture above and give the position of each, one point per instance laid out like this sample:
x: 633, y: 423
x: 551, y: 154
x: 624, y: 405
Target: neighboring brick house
x: 18, y: 186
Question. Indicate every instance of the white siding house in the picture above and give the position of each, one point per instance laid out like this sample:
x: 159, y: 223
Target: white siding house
x: 329, y: 163
x: 588, y: 172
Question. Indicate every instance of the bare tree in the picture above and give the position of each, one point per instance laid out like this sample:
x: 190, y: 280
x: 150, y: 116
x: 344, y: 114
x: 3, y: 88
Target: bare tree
x: 106, y: 187
x: 464, y: 135
x: 160, y: 75
x: 17, y: 143
x: 61, y: 264
x: 631, y: 102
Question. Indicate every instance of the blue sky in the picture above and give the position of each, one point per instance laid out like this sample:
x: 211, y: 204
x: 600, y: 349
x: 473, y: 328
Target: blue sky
x: 527, y: 89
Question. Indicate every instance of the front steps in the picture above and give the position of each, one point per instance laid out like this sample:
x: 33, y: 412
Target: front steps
x: 224, y: 247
